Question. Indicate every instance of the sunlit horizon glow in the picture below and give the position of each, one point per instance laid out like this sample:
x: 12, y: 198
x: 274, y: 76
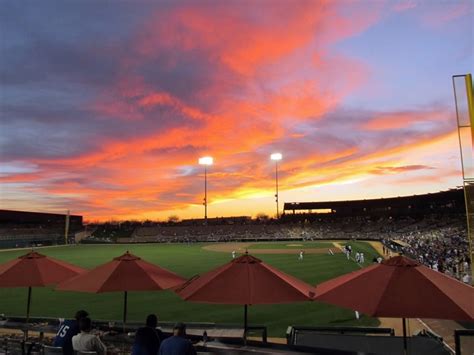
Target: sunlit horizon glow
x: 108, y: 107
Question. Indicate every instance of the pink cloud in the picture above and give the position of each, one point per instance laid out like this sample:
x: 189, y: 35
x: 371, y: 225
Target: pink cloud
x: 404, y: 5
x: 445, y: 12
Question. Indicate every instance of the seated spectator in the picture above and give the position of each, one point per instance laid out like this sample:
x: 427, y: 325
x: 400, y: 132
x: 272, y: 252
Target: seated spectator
x: 177, y: 344
x: 148, y: 338
x: 85, y: 341
x: 67, y: 330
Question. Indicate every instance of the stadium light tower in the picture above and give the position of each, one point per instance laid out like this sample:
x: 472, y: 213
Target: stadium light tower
x: 206, y: 161
x: 464, y: 101
x: 276, y: 157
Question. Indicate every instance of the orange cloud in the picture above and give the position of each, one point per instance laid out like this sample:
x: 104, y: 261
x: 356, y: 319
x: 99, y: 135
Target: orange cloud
x: 398, y: 120
x: 236, y: 84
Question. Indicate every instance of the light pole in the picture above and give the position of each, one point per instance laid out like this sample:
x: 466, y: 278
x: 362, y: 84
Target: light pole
x: 206, y: 161
x: 276, y: 157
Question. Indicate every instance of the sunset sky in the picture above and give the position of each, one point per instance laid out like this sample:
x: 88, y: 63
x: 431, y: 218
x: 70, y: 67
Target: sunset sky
x: 106, y: 106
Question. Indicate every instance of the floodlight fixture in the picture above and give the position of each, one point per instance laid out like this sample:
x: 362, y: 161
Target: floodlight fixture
x: 206, y: 161
x: 276, y: 156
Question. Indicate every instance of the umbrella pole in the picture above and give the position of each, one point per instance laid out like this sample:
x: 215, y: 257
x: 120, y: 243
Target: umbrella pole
x: 28, y: 304
x: 124, y: 310
x: 245, y: 324
x: 405, y: 347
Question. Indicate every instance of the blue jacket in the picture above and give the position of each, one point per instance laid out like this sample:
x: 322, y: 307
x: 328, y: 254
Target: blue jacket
x: 177, y: 345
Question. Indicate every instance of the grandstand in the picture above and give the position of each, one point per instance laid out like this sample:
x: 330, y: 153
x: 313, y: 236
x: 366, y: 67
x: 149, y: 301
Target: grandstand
x: 377, y: 219
x: 111, y: 232
x: 212, y: 233
x: 26, y: 229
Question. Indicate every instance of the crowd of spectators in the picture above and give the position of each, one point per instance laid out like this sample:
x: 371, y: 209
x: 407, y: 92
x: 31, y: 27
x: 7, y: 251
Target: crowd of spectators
x: 78, y: 336
x: 439, y: 242
x: 211, y: 233
x: 324, y: 227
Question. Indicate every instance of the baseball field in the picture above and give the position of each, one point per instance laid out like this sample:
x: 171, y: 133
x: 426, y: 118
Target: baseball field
x: 189, y: 260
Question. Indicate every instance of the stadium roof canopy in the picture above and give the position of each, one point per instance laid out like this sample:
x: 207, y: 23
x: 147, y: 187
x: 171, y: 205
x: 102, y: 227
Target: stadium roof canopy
x: 10, y: 216
x: 438, y: 198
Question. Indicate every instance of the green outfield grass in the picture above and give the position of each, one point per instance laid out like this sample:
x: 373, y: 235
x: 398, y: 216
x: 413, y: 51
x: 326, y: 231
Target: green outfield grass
x: 187, y: 260
x: 291, y: 245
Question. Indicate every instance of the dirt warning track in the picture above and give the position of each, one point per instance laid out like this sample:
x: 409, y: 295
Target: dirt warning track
x: 242, y: 247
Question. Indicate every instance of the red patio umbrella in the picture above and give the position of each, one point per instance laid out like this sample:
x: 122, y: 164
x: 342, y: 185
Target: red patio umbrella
x: 35, y: 270
x: 124, y: 273
x: 245, y: 281
x: 400, y: 288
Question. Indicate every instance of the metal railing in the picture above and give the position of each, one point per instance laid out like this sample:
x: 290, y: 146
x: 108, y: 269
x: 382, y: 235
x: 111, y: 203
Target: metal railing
x: 458, y: 336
